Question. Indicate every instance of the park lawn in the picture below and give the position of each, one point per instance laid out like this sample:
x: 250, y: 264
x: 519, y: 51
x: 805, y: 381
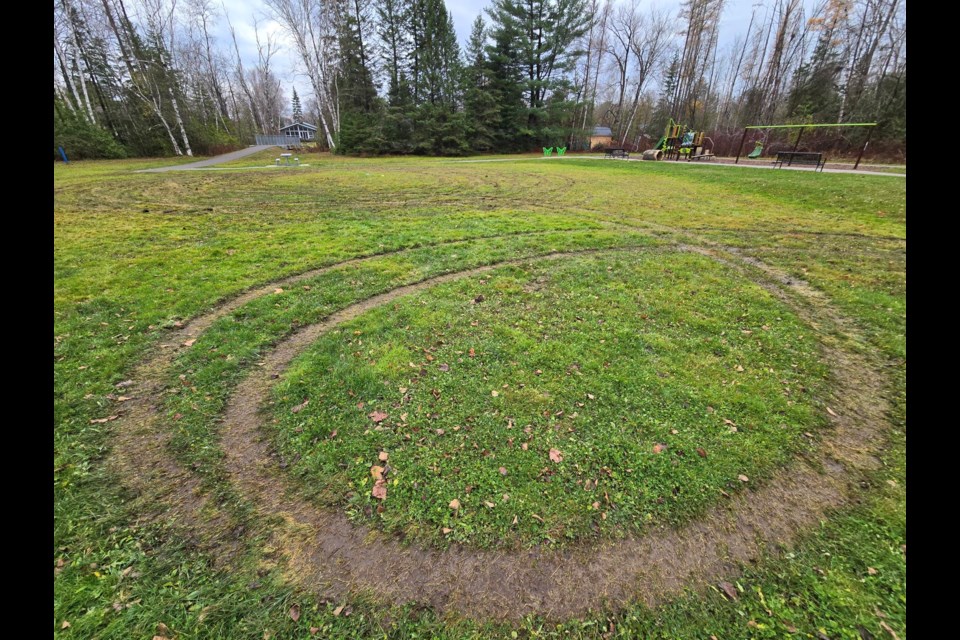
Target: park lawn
x: 136, y: 253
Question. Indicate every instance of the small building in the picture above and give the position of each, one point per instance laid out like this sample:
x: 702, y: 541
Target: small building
x: 601, y: 138
x: 300, y: 131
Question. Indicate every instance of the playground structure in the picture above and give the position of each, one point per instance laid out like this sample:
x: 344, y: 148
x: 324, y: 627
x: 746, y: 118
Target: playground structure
x: 759, y: 144
x: 679, y: 142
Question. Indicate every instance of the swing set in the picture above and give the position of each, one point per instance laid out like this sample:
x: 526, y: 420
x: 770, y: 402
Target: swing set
x: 758, y: 149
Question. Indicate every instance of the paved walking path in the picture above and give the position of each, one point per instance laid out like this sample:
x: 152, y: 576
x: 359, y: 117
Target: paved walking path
x: 226, y: 157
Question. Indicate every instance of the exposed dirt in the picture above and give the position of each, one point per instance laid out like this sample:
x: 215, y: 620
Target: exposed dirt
x: 326, y: 554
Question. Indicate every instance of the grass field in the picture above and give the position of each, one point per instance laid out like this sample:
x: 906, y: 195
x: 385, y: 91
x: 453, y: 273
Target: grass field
x: 424, y: 398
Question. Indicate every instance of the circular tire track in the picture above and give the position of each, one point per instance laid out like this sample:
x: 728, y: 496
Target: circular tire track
x: 326, y: 554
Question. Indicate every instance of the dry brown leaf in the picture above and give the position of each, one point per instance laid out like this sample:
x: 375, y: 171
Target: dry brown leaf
x: 299, y: 407
x: 503, y: 471
x: 314, y: 630
x: 743, y: 478
x: 471, y: 353
x: 871, y: 571
x: 383, y: 456
x: 524, y: 446
x: 338, y: 610
x: 658, y: 448
x: 494, y: 393
x: 446, y: 530
x: 590, y: 396
x: 380, y: 489
x: 278, y: 290
x: 729, y: 590
x: 295, y: 612
x: 730, y: 422
x: 556, y: 455
x: 740, y: 368
x: 454, y: 504
x: 189, y: 343
x: 831, y: 412
x: 488, y: 504
x: 376, y: 472
x: 377, y: 416
x: 886, y: 627
x: 102, y: 420
x: 444, y: 367
x: 701, y: 452
x: 65, y: 625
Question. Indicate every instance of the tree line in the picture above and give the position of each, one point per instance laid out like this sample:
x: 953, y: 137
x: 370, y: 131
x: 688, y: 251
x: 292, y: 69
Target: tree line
x: 150, y: 77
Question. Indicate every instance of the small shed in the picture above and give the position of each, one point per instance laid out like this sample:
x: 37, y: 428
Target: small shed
x: 601, y: 138
x: 300, y: 131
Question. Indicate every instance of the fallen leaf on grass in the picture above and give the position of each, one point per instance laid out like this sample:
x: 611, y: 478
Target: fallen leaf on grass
x: 376, y: 472
x: 658, y: 448
x: 503, y: 471
x: 488, y: 504
x: 102, y: 420
x: 65, y: 625
x: 701, y: 452
x: 377, y: 416
x: 494, y: 393
x: 871, y: 571
x: 471, y: 353
x: 886, y: 627
x: 299, y: 407
x: 278, y: 290
x: 444, y: 367
x: 831, y: 412
x: 740, y: 368
x: 454, y: 504
x: 446, y: 530
x: 380, y: 489
x: 338, y: 610
x: 524, y: 446
x: 314, y: 630
x: 743, y: 478
x: 555, y: 455
x: 729, y: 590
x: 383, y: 456
x: 536, y: 517
x: 124, y: 384
x: 295, y: 612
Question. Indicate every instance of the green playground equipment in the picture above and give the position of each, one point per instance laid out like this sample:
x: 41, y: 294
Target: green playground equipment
x: 547, y: 151
x: 678, y: 142
x: 757, y: 151
x: 561, y: 151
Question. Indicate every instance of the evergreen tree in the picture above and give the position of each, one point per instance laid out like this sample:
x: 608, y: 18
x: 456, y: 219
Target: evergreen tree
x: 542, y: 35
x: 360, y: 123
x: 479, y: 101
x: 297, y: 109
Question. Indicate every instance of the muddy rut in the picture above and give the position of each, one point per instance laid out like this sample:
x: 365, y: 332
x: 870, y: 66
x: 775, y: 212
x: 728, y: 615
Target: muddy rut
x: 325, y: 554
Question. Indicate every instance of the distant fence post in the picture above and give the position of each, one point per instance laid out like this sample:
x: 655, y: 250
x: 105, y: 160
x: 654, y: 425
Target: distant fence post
x: 63, y: 154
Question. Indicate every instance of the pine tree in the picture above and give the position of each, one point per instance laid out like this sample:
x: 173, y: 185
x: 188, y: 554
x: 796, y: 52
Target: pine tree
x: 360, y: 124
x: 479, y: 101
x: 297, y: 109
x: 542, y: 35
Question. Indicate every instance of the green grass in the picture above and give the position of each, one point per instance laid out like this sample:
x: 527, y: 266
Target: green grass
x: 136, y: 252
x: 601, y: 358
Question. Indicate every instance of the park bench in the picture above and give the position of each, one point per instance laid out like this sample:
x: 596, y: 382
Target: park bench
x: 288, y: 159
x: 616, y: 153
x: 800, y: 157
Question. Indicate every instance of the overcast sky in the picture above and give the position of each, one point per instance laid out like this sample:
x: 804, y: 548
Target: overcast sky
x: 243, y: 13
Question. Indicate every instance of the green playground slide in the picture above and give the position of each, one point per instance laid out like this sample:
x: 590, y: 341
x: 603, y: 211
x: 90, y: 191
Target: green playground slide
x: 756, y: 152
